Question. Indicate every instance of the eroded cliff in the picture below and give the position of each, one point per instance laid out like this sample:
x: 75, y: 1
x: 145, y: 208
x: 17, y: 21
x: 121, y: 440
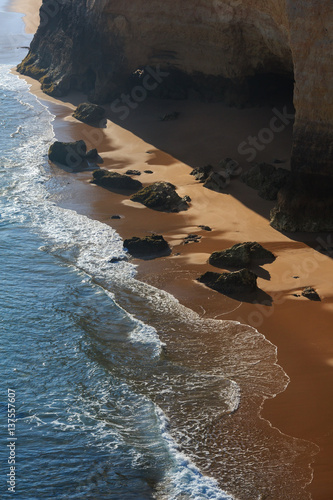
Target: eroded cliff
x: 96, y: 45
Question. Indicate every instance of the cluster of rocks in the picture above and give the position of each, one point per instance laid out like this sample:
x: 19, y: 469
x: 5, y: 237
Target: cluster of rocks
x: 217, y: 179
x: 242, y: 282
x: 192, y: 238
x: 73, y: 154
x: 266, y: 179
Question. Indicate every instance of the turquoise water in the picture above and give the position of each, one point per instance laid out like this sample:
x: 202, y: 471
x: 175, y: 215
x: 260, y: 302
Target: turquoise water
x: 120, y: 392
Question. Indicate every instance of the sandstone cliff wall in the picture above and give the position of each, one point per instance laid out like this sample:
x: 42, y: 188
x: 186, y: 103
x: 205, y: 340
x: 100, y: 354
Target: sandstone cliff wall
x: 94, y: 45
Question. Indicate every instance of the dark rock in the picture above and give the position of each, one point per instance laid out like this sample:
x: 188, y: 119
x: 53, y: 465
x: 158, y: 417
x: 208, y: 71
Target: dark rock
x: 115, y: 217
x: 92, y: 154
x: 89, y: 113
x: 230, y: 167
x: 114, y: 180
x: 148, y: 172
x: 205, y: 228
x: 241, y: 255
x: 257, y: 175
x: 243, y: 281
x: 271, y: 187
x: 70, y: 154
x: 266, y: 179
x: 133, y: 172
x: 192, y: 238
x: 311, y: 294
x: 202, y: 173
x: 115, y: 260
x: 170, y: 116
x: 217, y: 181
x: 187, y: 198
x: 149, y: 246
x: 160, y: 196
x: 305, y: 203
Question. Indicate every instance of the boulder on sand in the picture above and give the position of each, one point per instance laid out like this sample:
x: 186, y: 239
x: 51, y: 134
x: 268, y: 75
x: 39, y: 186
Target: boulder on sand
x: 311, y: 294
x: 70, y: 154
x: 89, y: 113
x: 161, y: 196
x: 237, y: 282
x: 201, y: 174
x: 114, y: 180
x: 266, y: 179
x: 241, y: 255
x: 148, y: 247
x: 217, y: 181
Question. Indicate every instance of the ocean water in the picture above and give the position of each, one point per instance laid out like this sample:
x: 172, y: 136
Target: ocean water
x: 120, y: 392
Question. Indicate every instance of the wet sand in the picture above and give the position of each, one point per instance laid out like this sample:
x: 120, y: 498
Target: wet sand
x: 206, y: 133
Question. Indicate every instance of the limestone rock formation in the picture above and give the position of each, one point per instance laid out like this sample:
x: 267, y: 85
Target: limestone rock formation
x: 102, y: 47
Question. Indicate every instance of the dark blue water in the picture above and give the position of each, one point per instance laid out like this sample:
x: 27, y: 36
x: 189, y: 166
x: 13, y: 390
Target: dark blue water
x: 120, y: 392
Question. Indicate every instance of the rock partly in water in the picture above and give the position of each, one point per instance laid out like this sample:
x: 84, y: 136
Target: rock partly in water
x: 205, y: 228
x: 114, y: 180
x: 89, y: 113
x: 241, y: 255
x: 148, y: 247
x: 161, y: 196
x: 201, y: 174
x: 243, y: 281
x: 70, y: 154
x: 266, y: 179
x: 217, y: 181
x: 305, y: 204
x: 311, y: 294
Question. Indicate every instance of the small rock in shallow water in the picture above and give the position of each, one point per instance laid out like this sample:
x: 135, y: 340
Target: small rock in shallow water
x: 205, y: 228
x: 115, y: 217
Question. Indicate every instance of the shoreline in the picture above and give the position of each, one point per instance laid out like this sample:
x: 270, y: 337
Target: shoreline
x: 302, y: 410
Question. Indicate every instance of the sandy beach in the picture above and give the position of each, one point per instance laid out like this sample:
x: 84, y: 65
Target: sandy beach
x: 206, y: 133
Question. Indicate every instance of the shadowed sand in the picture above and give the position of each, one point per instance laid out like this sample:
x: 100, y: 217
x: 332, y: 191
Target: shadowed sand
x: 206, y: 133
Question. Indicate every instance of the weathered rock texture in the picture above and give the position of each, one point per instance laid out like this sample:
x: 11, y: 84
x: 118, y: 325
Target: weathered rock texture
x: 95, y: 45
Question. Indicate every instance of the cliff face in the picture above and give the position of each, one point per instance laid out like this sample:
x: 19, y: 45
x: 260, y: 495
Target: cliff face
x: 94, y: 45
